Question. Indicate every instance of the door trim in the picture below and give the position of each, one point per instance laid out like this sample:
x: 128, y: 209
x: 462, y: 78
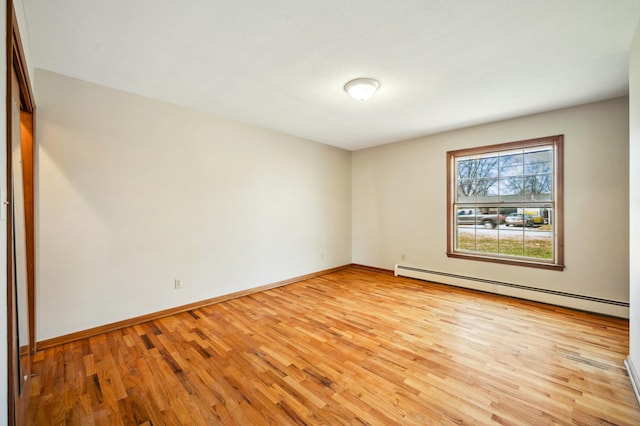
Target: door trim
x: 15, y: 61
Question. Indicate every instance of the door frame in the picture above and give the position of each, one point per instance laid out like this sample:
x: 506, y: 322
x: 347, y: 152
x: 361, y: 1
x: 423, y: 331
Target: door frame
x: 15, y: 61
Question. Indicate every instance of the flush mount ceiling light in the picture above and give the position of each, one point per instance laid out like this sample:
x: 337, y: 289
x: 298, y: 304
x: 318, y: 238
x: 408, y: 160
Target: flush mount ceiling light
x: 362, y: 89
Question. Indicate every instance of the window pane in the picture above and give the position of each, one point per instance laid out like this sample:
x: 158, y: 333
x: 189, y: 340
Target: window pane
x: 465, y: 216
x: 538, y: 179
x: 534, y: 215
x: 512, y: 241
x: 538, y: 243
x: 487, y: 166
x: 512, y: 189
x: 465, y: 229
x: 538, y: 187
x: 466, y: 168
x: 487, y: 190
x: 539, y: 160
x: 511, y: 164
x: 487, y: 240
x: 466, y: 191
x: 466, y: 240
x: 505, y: 211
x: 548, y: 216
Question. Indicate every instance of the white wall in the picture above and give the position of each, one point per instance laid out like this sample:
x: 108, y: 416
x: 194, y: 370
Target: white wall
x: 134, y: 193
x: 399, y: 200
x: 18, y: 6
x: 634, y: 200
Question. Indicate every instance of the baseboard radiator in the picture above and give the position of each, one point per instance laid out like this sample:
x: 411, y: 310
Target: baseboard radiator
x: 576, y: 301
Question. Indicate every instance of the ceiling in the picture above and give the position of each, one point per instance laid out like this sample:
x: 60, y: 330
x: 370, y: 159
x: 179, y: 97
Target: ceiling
x: 282, y: 64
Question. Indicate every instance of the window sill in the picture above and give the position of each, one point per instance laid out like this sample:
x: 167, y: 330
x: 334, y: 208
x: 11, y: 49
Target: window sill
x: 508, y: 261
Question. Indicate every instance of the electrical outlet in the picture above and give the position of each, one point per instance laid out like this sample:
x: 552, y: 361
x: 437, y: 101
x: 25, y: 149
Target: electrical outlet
x: 404, y: 257
x: 177, y: 284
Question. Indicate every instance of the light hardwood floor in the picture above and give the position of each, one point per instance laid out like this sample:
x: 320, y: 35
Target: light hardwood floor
x: 347, y: 348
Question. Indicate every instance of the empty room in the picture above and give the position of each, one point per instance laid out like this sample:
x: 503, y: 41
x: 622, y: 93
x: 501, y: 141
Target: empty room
x: 421, y: 212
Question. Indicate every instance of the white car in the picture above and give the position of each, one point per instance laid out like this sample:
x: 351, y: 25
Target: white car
x: 519, y: 219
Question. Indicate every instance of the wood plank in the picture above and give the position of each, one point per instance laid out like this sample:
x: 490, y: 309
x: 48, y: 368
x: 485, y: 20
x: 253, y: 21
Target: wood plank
x: 355, y: 346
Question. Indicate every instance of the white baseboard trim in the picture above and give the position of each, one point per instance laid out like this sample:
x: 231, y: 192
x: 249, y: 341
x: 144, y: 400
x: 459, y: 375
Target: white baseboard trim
x: 575, y: 301
x: 633, y: 375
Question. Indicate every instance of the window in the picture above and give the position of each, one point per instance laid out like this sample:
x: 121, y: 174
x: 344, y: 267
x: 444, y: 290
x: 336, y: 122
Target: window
x: 505, y: 203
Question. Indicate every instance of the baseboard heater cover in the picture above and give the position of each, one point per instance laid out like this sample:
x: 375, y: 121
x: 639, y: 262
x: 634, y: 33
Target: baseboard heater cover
x: 570, y: 300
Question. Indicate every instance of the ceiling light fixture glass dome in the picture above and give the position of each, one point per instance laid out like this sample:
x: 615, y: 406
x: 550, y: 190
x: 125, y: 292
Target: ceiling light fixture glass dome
x: 362, y: 89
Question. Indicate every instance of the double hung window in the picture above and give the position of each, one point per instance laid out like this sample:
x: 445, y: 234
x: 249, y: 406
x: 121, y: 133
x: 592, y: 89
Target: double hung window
x: 505, y: 203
